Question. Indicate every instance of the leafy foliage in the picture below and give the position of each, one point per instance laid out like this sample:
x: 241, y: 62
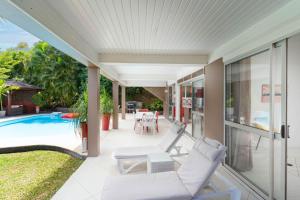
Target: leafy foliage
x: 106, y: 103
x: 38, y: 100
x: 62, y: 78
x: 229, y: 102
x: 105, y: 85
x: 81, y: 107
x: 156, y: 105
x: 13, y: 64
x: 132, y: 92
x: 4, y: 89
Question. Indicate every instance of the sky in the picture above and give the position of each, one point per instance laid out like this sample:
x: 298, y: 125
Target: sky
x: 11, y: 35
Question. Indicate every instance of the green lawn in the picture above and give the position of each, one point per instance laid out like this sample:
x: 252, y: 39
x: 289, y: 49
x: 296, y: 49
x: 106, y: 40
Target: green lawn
x: 34, y: 175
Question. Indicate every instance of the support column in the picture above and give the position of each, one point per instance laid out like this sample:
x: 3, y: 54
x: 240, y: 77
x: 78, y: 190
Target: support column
x: 116, y: 104
x: 93, y: 111
x: 177, y: 103
x: 8, y: 105
x: 123, y: 102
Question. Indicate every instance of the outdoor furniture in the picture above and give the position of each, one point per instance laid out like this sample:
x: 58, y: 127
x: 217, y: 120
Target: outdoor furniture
x: 139, y: 154
x: 156, y: 114
x: 130, y: 108
x: 139, y: 115
x: 159, y: 162
x: 138, y: 120
x: 142, y: 110
x: 16, y: 110
x: 148, y: 122
x: 184, y: 184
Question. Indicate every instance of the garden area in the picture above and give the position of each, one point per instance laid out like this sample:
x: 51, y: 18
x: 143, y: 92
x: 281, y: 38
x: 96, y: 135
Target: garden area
x: 34, y: 175
x: 61, y: 78
x: 61, y: 83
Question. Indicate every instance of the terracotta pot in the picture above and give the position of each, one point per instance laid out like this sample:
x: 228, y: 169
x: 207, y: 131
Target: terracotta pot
x: 105, y: 122
x: 84, y: 129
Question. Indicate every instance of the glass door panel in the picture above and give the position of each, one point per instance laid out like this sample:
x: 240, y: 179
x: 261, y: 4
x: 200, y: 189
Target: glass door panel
x: 198, y: 108
x: 279, y: 118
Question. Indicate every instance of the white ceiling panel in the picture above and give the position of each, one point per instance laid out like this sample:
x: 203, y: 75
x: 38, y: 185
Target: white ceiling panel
x: 161, y: 26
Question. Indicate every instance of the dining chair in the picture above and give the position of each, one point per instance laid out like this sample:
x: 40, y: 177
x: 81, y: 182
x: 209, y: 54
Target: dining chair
x: 156, y: 114
x: 148, y: 122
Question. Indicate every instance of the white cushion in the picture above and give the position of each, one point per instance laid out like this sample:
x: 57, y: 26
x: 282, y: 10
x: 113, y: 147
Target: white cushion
x: 173, y: 134
x: 200, y: 165
x: 136, y: 152
x: 208, y: 151
x: 159, y: 186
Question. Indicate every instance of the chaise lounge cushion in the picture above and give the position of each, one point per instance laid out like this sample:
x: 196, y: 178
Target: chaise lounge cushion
x: 163, y: 186
x: 171, y: 137
x: 201, y: 163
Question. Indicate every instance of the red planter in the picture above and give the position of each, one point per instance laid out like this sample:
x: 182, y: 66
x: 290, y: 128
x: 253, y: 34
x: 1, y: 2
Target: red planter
x: 84, y: 129
x: 105, y: 122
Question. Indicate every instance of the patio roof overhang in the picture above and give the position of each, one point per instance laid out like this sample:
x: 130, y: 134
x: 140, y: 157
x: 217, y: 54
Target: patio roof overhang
x: 129, y: 40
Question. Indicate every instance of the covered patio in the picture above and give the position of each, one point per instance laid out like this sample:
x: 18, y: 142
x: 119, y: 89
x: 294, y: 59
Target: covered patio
x: 87, y: 182
x: 189, y: 50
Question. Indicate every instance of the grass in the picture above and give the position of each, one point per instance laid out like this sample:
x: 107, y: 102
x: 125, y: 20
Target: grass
x: 34, y: 175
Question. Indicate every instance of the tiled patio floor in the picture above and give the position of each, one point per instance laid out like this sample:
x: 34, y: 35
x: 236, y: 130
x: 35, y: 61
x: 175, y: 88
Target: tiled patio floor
x: 87, y: 182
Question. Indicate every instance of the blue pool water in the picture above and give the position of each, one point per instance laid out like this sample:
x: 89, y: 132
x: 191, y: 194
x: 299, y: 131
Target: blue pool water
x: 37, y: 126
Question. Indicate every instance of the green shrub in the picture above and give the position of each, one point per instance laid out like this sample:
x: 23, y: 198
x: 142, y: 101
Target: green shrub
x: 106, y: 103
x: 156, y: 105
x: 38, y: 100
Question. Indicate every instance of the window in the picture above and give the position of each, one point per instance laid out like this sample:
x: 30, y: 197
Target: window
x: 248, y: 92
x: 198, y: 108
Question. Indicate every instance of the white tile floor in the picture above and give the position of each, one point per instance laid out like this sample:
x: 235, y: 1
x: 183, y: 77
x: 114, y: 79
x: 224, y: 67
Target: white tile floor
x: 86, y: 183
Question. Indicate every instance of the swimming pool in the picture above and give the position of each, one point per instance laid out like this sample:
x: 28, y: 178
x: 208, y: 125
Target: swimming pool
x: 39, y: 129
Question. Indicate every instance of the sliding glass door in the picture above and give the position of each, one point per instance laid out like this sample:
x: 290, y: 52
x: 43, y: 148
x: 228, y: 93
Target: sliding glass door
x: 255, y: 120
x: 198, y: 108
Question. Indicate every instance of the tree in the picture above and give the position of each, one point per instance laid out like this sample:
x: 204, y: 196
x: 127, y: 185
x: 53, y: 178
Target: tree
x: 13, y: 64
x: 105, y: 85
x: 62, y: 78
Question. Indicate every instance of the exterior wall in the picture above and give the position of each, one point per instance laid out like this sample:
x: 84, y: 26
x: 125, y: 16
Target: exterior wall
x: 159, y: 92
x: 23, y: 97
x: 214, y: 100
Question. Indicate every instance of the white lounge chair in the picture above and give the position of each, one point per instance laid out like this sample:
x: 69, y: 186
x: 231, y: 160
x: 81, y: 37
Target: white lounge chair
x: 139, y: 154
x: 187, y: 183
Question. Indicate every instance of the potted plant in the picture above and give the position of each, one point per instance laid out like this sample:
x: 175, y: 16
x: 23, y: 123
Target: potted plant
x: 4, y: 90
x: 37, y: 99
x: 106, y: 108
x: 229, y: 106
x: 81, y: 109
x: 80, y: 122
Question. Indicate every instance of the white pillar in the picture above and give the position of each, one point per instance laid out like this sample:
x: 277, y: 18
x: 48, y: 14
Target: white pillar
x: 177, y: 114
x: 123, y: 102
x: 116, y: 104
x: 93, y: 111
